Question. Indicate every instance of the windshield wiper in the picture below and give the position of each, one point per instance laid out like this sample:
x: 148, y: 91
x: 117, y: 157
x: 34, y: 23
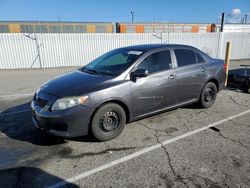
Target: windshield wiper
x: 91, y: 71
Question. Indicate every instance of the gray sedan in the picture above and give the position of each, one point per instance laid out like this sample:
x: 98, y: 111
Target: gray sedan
x: 125, y: 85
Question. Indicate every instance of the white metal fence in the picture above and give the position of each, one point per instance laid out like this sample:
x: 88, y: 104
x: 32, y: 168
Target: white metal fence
x: 61, y: 50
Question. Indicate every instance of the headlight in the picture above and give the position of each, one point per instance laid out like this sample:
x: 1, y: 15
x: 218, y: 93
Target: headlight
x: 68, y: 102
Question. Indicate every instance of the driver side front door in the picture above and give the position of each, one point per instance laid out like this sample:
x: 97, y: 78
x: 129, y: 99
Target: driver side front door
x: 159, y: 89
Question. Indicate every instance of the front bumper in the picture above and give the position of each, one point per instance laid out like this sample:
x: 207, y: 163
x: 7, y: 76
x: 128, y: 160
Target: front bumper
x: 70, y: 122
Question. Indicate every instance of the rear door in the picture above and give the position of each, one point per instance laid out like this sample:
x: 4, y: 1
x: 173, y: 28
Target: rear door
x: 192, y: 74
x: 158, y: 90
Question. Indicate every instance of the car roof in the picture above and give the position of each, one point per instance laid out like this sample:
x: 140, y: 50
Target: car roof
x: 148, y: 47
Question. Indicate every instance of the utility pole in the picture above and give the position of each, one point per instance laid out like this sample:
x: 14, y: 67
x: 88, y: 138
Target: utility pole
x: 222, y: 22
x: 246, y: 18
x: 132, y: 15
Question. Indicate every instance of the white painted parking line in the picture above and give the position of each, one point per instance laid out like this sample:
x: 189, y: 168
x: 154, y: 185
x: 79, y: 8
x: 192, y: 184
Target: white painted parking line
x: 11, y: 113
x: 17, y: 95
x: 143, y: 151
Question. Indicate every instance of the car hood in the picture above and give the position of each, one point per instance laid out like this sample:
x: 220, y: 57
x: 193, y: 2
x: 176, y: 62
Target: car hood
x: 72, y: 83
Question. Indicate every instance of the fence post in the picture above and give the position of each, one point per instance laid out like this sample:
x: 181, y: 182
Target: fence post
x: 227, y: 59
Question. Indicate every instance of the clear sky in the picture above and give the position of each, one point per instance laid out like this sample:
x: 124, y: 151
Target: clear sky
x: 196, y: 11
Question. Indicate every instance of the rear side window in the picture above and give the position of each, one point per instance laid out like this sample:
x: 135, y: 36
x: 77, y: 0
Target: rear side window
x: 185, y: 57
x: 156, y: 62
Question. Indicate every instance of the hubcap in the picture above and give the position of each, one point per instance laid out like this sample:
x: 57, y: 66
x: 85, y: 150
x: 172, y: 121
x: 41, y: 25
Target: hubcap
x: 109, y: 121
x: 209, y: 94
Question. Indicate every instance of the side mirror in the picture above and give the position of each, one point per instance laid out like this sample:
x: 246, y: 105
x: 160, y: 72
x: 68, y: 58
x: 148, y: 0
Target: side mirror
x: 138, y: 73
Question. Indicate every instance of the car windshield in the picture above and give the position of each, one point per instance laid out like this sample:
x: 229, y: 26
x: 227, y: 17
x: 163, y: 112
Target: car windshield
x: 113, y: 63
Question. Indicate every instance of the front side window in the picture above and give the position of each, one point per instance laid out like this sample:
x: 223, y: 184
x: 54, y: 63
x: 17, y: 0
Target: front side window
x: 185, y: 57
x: 199, y: 58
x: 114, y: 62
x: 156, y: 62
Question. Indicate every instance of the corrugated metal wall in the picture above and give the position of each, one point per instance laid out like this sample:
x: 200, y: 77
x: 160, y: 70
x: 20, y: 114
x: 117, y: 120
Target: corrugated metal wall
x: 61, y: 50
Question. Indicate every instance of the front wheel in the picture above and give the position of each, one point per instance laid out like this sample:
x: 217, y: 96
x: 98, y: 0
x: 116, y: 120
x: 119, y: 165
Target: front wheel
x: 108, y: 122
x: 208, y: 95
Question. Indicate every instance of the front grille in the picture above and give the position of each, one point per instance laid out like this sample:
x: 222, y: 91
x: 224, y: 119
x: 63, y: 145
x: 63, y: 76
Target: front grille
x: 41, y: 102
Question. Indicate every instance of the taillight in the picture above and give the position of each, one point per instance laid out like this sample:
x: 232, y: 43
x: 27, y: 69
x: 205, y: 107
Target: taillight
x: 225, y: 66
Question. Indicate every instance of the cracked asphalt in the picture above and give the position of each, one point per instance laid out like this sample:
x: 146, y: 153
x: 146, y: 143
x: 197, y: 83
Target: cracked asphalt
x: 216, y: 157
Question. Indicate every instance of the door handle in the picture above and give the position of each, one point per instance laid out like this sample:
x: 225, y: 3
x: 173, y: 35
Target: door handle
x: 171, y: 77
x: 203, y: 69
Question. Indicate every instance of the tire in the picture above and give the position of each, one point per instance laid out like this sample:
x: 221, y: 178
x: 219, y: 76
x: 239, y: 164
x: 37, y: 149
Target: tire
x: 108, y: 122
x: 208, y: 95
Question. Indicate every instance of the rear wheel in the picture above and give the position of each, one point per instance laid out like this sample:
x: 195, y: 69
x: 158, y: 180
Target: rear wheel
x: 208, y: 95
x: 108, y: 122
